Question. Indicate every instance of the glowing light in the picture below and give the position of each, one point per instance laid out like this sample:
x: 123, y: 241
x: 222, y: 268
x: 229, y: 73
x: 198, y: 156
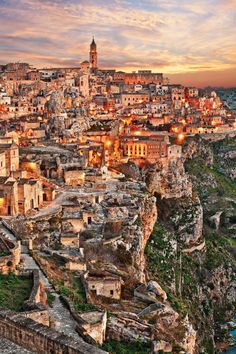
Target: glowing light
x: 31, y: 166
x: 108, y: 143
x: 138, y: 132
x: 183, y: 121
x: 40, y: 118
x: 2, y: 200
x: 180, y: 138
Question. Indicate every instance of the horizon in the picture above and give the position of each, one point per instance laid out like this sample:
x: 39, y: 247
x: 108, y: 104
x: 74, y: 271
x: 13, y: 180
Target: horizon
x: 193, y: 44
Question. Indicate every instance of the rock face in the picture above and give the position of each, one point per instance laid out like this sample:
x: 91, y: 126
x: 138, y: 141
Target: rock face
x: 129, y: 169
x: 215, y: 219
x: 148, y: 217
x: 80, y: 125
x: 163, y: 346
x: 190, y: 253
x: 155, y: 288
x: 184, y: 216
x: 169, y: 181
x: 56, y: 103
x: 197, y: 147
x: 128, y: 328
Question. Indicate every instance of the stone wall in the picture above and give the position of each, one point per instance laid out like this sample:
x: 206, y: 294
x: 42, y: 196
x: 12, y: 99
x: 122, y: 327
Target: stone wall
x: 9, y: 262
x: 91, y: 325
x: 37, y: 295
x: 43, y: 340
x: 35, y: 306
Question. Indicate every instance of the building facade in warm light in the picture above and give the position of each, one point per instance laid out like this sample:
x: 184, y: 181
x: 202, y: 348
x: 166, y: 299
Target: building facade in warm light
x: 143, y: 77
x: 150, y: 148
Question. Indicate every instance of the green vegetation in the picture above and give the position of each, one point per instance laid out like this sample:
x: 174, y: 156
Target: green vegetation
x: 3, y: 254
x: 220, y: 251
x: 115, y: 347
x: 50, y: 298
x: 14, y: 290
x: 164, y: 266
x: 77, y: 296
x: 138, y: 221
x: 210, y: 180
x: 161, y: 255
x: 198, y: 284
x: 84, y: 307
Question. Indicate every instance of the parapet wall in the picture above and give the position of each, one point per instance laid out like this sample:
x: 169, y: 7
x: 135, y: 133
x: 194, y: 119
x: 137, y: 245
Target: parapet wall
x: 93, y: 331
x: 37, y: 291
x: 35, y: 306
x: 33, y: 336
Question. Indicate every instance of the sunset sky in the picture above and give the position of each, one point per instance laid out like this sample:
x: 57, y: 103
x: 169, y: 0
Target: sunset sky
x: 191, y: 42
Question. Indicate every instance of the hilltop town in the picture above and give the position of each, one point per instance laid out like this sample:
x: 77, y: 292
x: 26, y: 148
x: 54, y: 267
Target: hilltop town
x: 105, y: 213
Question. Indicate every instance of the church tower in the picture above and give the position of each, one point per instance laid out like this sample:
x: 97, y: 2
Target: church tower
x: 93, y: 56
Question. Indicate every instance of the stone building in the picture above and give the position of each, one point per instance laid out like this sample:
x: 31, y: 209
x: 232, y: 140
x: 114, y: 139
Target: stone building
x: 150, y: 148
x: 11, y: 151
x: 74, y: 177
x: 93, y: 324
x: 33, y: 75
x: 128, y: 99
x: 29, y: 194
x: 103, y: 284
x: 84, y: 65
x: 82, y: 81
x: 174, y: 151
x: 8, y: 196
x: 143, y: 77
x: 3, y: 171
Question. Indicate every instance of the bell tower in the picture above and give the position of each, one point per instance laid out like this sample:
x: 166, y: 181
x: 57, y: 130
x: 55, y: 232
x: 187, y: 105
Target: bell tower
x: 93, y: 56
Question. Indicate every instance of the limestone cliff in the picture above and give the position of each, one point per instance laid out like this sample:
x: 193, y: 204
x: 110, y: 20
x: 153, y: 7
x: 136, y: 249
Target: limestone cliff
x: 191, y: 252
x: 148, y: 217
x: 169, y: 181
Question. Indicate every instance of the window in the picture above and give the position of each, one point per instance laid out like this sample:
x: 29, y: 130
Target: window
x: 111, y: 292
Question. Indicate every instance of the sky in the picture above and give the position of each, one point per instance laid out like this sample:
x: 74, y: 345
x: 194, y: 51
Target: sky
x: 192, y: 42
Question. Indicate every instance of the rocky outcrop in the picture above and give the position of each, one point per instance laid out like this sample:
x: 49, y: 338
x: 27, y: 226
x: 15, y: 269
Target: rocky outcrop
x: 127, y: 327
x: 56, y: 103
x: 200, y: 148
x: 168, y: 181
x: 215, y: 219
x: 148, y: 217
x: 129, y: 169
x: 184, y: 216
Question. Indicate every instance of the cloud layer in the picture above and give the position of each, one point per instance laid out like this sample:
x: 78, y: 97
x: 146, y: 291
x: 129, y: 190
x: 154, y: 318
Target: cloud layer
x: 187, y: 39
